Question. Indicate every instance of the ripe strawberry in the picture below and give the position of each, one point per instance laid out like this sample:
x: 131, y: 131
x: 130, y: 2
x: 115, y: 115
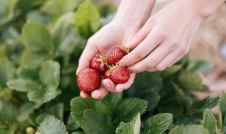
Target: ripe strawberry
x: 107, y: 74
x: 118, y: 74
x: 88, y: 80
x: 116, y: 55
x: 98, y: 62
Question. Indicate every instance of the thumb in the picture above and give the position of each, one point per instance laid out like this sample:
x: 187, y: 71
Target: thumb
x: 84, y: 60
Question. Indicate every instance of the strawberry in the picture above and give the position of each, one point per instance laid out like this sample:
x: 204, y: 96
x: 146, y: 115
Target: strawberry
x: 88, y: 80
x: 116, y: 55
x: 107, y: 74
x: 98, y: 62
x: 118, y: 74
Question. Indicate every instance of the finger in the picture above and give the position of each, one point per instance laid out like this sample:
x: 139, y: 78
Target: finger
x: 84, y: 95
x: 170, y: 59
x: 109, y: 85
x: 99, y: 94
x: 142, y: 50
x: 121, y: 87
x: 140, y: 36
x: 89, y: 51
x: 151, y: 61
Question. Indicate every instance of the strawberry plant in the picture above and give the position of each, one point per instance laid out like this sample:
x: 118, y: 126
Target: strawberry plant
x: 40, y: 44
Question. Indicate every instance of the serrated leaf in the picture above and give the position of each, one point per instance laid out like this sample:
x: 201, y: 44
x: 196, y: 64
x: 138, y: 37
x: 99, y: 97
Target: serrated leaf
x: 8, y: 113
x: 95, y: 122
x: 24, y: 85
x: 208, y: 102
x: 158, y: 124
x: 7, y: 9
x: 189, y: 80
x: 87, y: 19
x: 44, y: 95
x: 7, y: 71
x: 200, y: 65
x: 152, y: 98
x: 26, y: 73
x: 25, y: 110
x: 36, y: 38
x: 33, y: 60
x: 78, y: 106
x: 171, y: 71
x: 50, y: 74
x: 190, y: 129
x: 63, y: 35
x: 35, y: 91
x: 109, y: 103
x: 132, y: 127
x: 128, y: 108
x: 56, y: 8
x: 52, y: 125
x: 209, y: 122
x: 222, y: 105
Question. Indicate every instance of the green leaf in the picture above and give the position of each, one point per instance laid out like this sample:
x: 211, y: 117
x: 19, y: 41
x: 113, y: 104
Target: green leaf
x: 96, y: 123
x: 33, y: 60
x: 44, y: 95
x: 36, y: 38
x: 208, y: 102
x: 190, y: 129
x: 222, y: 105
x: 56, y: 8
x: 157, y: 124
x: 132, y: 127
x: 87, y: 19
x: 7, y: 8
x: 63, y: 35
x: 37, y: 17
x: 200, y: 65
x: 24, y: 85
x: 209, y: 122
x: 28, y: 74
x: 7, y: 112
x: 50, y: 74
x: 171, y: 71
x: 7, y: 71
x: 109, y: 103
x: 78, y: 106
x: 189, y: 80
x: 128, y: 108
x: 26, y: 110
x: 51, y: 125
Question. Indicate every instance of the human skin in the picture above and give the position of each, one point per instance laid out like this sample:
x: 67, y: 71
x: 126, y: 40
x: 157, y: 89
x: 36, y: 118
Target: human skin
x: 117, y: 33
x: 158, y: 41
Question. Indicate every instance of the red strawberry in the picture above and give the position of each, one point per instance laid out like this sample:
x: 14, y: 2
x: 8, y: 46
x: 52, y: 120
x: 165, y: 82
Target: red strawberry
x: 107, y: 74
x: 88, y: 80
x: 116, y: 55
x: 98, y: 62
x: 118, y: 74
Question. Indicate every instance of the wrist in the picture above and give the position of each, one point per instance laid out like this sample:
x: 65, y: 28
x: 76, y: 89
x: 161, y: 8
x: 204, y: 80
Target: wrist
x: 204, y: 8
x: 133, y: 13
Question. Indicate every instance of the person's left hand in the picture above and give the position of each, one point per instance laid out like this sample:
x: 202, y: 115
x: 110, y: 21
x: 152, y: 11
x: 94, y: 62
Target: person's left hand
x: 164, y: 39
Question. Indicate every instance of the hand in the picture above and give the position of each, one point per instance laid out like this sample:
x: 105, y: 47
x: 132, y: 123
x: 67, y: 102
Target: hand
x: 103, y: 41
x: 164, y: 39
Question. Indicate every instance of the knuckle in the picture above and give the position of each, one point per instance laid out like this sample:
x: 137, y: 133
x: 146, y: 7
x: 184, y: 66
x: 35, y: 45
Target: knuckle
x: 162, y: 35
x: 152, y: 64
x: 160, y: 68
x: 182, y: 49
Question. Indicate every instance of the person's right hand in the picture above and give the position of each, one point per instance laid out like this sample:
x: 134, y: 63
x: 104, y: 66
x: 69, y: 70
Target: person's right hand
x: 110, y: 36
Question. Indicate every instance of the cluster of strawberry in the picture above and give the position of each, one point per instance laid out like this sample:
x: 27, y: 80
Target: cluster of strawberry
x: 103, y: 67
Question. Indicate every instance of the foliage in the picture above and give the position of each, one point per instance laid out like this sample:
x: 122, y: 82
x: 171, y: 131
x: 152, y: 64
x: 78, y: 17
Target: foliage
x: 40, y: 44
